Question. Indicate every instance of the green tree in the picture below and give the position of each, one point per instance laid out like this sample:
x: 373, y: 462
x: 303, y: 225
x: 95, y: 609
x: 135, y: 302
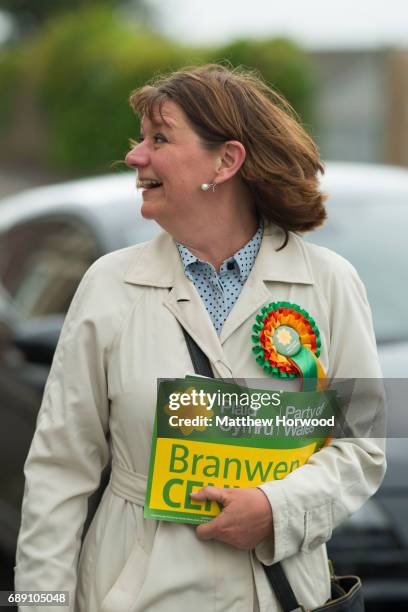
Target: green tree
x: 30, y: 15
x: 83, y: 71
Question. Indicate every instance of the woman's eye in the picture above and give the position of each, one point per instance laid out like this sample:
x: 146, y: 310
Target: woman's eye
x: 159, y: 138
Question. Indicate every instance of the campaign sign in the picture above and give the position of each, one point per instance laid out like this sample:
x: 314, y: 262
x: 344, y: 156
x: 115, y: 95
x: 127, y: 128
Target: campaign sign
x: 211, y: 433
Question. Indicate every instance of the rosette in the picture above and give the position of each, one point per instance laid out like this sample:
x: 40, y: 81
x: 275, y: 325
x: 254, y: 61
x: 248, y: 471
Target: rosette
x: 287, y: 343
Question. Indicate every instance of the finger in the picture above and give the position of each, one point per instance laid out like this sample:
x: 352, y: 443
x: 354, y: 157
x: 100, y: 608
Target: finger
x: 207, y: 531
x: 211, y: 493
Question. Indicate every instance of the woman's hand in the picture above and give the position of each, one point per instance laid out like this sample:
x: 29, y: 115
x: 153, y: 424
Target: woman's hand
x: 246, y: 518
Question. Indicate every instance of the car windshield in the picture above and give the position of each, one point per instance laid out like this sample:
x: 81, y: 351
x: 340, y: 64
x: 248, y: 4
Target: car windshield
x: 371, y: 232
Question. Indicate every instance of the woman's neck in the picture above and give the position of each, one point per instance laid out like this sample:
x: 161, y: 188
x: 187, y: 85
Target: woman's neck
x: 222, y: 242
x: 224, y: 229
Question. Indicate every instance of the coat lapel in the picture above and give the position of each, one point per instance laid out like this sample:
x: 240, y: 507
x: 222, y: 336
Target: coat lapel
x: 188, y: 308
x: 159, y: 265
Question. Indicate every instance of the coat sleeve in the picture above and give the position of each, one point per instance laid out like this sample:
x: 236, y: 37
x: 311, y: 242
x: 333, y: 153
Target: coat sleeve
x: 311, y: 501
x: 67, y: 454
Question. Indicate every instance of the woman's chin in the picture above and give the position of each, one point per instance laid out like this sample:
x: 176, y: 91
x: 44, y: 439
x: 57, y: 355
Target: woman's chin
x: 149, y: 210
x: 152, y: 204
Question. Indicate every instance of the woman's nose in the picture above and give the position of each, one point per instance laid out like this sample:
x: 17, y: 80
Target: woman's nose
x: 137, y: 157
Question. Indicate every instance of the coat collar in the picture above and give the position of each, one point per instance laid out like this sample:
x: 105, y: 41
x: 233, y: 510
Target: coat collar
x: 158, y: 264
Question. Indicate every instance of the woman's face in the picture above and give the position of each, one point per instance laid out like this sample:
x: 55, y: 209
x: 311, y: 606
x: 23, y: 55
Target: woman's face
x: 171, y: 154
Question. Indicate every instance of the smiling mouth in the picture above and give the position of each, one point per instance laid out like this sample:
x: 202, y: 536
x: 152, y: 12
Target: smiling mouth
x: 148, y: 184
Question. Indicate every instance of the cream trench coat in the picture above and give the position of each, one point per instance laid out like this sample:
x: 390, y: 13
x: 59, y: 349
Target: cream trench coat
x: 122, y: 332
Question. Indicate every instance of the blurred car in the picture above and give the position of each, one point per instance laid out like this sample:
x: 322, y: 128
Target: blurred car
x: 367, y: 224
x: 48, y: 238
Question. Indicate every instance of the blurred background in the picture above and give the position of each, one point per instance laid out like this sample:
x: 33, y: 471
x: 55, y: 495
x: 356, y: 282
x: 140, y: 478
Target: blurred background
x: 67, y: 68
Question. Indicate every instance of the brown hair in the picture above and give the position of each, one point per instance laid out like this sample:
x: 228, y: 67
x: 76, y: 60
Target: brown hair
x: 282, y: 160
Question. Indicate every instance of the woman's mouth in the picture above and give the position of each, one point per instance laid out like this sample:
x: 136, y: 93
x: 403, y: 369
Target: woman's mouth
x: 148, y: 184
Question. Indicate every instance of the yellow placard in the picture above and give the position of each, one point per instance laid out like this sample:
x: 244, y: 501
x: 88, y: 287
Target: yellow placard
x: 184, y: 466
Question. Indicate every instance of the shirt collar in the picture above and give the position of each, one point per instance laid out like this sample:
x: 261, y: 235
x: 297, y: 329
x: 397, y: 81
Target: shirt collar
x: 244, y: 258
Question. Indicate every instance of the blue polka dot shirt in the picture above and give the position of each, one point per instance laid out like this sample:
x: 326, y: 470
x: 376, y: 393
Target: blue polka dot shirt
x: 220, y: 291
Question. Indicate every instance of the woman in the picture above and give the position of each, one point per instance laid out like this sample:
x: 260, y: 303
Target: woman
x: 230, y: 175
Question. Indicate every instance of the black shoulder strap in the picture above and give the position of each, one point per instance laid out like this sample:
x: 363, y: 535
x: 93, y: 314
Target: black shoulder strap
x: 200, y: 360
x: 282, y: 588
x: 275, y: 573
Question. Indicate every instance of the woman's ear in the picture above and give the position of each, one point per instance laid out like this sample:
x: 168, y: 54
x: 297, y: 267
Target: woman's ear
x: 230, y: 160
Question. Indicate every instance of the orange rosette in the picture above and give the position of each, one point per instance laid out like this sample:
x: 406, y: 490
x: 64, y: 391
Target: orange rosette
x: 287, y: 342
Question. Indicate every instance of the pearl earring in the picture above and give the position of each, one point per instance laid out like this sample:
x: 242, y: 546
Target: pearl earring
x: 207, y: 186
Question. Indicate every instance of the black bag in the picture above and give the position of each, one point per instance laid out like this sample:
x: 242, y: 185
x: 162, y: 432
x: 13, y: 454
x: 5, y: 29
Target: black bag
x: 346, y: 591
